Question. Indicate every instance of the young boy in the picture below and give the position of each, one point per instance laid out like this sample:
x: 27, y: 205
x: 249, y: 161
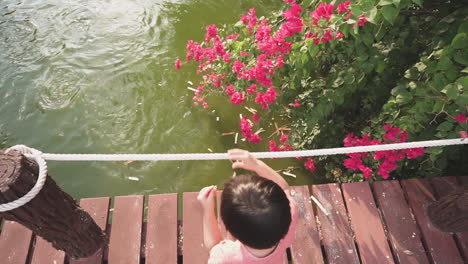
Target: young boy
x: 258, y: 212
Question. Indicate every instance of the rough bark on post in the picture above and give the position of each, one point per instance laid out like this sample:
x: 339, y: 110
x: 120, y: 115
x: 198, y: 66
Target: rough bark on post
x: 52, y: 214
x: 450, y: 213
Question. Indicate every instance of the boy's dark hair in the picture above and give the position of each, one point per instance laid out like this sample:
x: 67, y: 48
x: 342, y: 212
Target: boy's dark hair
x: 255, y: 210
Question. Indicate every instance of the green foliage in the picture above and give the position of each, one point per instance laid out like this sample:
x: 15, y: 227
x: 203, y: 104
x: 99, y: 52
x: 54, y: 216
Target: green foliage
x: 408, y: 70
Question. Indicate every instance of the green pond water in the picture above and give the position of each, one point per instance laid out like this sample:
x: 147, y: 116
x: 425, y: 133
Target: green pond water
x: 98, y: 77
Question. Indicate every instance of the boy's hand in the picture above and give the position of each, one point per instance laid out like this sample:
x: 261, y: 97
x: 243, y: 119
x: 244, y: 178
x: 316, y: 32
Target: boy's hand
x: 243, y: 159
x: 206, y: 198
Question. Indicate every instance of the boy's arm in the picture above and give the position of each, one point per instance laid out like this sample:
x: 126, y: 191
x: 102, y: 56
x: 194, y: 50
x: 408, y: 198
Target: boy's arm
x: 244, y: 160
x: 211, y: 233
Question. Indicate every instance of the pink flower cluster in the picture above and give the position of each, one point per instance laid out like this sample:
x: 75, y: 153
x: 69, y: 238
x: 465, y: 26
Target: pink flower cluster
x: 284, y: 146
x: 388, y: 158
x: 247, y: 132
x: 461, y: 118
x: 248, y: 74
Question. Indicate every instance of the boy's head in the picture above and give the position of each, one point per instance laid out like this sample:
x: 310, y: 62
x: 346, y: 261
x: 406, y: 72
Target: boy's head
x: 255, y: 210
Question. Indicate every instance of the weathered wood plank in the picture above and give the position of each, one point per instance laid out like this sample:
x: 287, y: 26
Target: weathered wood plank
x: 125, y: 237
x: 441, y: 246
x: 15, y: 241
x: 194, y: 250
x: 444, y: 186
x: 306, y: 246
x: 365, y: 219
x: 463, y: 236
x: 337, y: 234
x: 98, y: 209
x: 161, y: 234
x: 45, y: 253
x: 402, y: 229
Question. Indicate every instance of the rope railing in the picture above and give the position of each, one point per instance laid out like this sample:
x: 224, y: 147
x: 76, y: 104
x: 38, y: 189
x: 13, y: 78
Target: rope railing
x: 40, y: 158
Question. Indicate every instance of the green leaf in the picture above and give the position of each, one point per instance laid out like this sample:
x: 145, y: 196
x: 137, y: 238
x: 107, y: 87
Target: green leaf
x: 438, y: 106
x: 368, y: 39
x: 385, y: 2
x: 396, y: 3
x: 338, y: 82
x: 461, y: 56
x: 462, y: 100
x: 418, y: 2
x: 445, y: 126
x: 380, y: 66
x: 451, y: 91
x: 313, y: 50
x: 463, y: 82
x: 444, y: 64
x: 463, y: 28
x: 390, y: 13
x: 460, y: 41
x: 371, y: 15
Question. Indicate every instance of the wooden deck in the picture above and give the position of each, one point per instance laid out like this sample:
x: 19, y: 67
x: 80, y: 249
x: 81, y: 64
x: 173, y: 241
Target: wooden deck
x: 382, y: 223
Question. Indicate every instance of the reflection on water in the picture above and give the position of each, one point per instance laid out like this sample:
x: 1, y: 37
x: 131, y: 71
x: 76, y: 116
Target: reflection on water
x: 98, y: 77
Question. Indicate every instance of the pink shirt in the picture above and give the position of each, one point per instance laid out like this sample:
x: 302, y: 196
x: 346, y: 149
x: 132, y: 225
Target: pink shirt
x: 232, y: 252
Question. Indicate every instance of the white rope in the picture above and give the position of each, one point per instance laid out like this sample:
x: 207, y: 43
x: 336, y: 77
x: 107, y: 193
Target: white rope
x: 260, y: 155
x: 40, y: 158
x: 36, y: 156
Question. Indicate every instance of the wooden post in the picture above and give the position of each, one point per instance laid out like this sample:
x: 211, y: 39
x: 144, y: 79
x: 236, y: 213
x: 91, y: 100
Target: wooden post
x: 52, y: 214
x: 450, y: 213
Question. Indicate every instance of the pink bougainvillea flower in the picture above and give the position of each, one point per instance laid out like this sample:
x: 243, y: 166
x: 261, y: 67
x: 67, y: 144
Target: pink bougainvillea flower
x: 362, y: 20
x: 461, y: 118
x: 229, y: 90
x: 289, y: 1
x: 251, y: 89
x: 339, y: 35
x: 463, y: 134
x: 177, y: 64
x: 296, y: 103
x: 327, y: 36
x: 343, y: 7
x: 211, y: 33
x: 237, y: 67
x: 414, y: 152
x: 279, y: 61
x: 309, y: 164
x: 243, y: 53
x: 273, y: 146
x: 250, y: 20
x: 256, y: 117
x: 392, y: 132
x: 283, y: 138
x: 246, y: 129
x: 366, y: 171
x: 233, y: 36
x: 324, y: 11
x: 237, y: 98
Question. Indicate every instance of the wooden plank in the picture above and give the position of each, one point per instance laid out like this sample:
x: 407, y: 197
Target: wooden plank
x: 444, y: 186
x: 125, y: 237
x: 161, y: 234
x: 463, y: 236
x: 365, y: 219
x: 15, y: 241
x: 402, y: 229
x: 463, y: 180
x: 306, y: 245
x: 45, y: 253
x: 337, y: 234
x: 194, y: 250
x: 98, y: 208
x: 441, y: 246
